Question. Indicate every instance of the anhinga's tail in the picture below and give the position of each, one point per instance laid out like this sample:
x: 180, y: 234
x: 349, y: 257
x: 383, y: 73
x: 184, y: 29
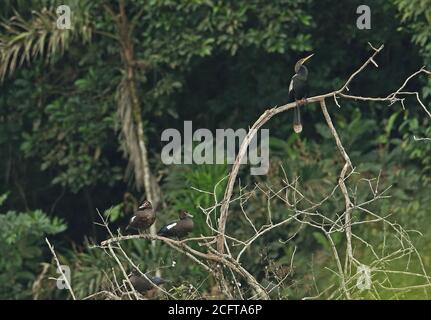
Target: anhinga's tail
x: 297, y: 126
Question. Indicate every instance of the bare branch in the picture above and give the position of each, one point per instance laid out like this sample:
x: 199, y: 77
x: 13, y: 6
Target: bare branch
x: 60, y: 270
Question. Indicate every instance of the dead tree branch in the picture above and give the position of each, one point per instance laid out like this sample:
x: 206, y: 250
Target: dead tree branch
x: 60, y: 270
x: 221, y: 250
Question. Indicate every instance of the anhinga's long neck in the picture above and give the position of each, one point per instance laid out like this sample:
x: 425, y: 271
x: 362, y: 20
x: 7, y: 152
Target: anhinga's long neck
x: 302, y: 72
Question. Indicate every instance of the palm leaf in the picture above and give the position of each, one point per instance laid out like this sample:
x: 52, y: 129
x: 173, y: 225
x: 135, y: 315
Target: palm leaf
x: 22, y: 40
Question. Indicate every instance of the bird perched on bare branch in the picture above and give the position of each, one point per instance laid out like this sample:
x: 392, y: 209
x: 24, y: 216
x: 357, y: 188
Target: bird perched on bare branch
x: 298, y: 91
x: 142, y: 284
x: 143, y: 218
x: 180, y: 228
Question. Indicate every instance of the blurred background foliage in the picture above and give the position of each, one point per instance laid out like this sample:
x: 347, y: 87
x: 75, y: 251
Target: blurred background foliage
x: 219, y: 64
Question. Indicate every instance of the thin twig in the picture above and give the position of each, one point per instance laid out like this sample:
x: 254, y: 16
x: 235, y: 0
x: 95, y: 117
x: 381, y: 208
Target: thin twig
x: 69, y: 287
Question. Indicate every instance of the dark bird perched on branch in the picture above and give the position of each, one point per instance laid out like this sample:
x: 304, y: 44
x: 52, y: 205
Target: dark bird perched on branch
x: 178, y: 229
x: 143, y: 218
x: 142, y: 284
x: 298, y: 91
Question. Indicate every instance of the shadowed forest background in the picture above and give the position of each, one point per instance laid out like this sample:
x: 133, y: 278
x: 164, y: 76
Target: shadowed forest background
x: 220, y: 64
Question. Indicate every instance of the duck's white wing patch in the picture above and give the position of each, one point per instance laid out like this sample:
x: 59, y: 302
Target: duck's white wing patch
x: 133, y: 218
x: 170, y: 226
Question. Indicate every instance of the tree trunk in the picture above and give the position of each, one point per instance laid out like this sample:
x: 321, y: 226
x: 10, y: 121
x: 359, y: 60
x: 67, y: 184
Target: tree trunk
x: 143, y: 176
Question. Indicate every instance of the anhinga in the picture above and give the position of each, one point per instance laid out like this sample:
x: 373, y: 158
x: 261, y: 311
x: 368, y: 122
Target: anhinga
x: 298, y: 91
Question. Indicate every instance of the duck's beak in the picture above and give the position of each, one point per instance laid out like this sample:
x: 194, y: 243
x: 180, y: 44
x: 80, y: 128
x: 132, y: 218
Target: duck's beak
x: 306, y: 58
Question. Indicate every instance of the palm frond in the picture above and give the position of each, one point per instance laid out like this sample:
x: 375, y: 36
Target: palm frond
x: 22, y: 40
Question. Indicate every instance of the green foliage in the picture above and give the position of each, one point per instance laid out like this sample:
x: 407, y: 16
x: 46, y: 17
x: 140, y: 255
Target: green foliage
x: 3, y: 198
x: 416, y: 18
x: 418, y: 12
x: 91, y: 270
x: 193, y: 187
x: 39, y: 37
x: 21, y: 244
x: 73, y: 142
x: 114, y: 213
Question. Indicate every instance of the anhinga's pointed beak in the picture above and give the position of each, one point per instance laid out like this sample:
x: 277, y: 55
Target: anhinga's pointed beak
x: 306, y: 58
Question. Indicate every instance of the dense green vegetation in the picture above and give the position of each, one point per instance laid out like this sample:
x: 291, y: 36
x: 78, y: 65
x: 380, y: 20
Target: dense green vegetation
x: 219, y: 64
